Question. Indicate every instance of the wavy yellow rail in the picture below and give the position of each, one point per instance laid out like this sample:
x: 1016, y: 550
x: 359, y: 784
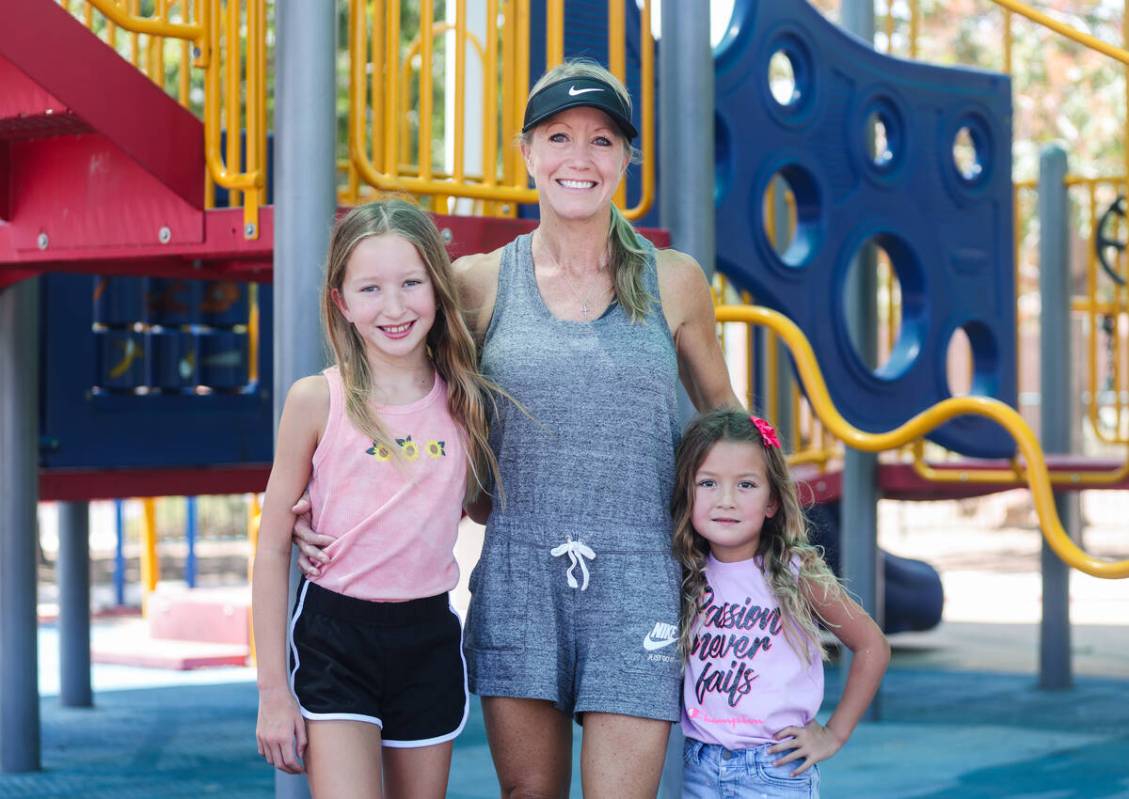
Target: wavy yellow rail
x: 1037, y: 478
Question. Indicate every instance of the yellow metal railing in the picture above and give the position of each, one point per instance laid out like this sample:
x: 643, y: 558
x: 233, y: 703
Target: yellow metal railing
x: 809, y: 441
x: 227, y: 39
x: 1034, y: 471
x: 383, y: 72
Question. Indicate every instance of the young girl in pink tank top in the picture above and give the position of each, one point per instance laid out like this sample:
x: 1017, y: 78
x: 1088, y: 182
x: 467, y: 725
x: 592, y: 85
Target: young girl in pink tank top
x: 363, y: 686
x: 754, y: 591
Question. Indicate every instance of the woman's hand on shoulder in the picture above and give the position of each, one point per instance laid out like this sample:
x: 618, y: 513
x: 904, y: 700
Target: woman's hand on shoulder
x: 476, y: 277
x: 688, y: 306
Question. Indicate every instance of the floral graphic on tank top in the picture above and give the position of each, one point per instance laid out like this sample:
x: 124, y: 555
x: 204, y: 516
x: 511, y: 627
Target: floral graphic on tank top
x: 380, y: 452
x: 410, y: 448
x: 435, y: 449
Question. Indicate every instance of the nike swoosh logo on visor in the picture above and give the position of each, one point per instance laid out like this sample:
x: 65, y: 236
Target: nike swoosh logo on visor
x: 573, y: 91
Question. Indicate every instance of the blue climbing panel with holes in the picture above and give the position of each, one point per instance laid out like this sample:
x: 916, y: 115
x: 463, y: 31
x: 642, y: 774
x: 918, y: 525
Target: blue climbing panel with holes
x: 874, y: 150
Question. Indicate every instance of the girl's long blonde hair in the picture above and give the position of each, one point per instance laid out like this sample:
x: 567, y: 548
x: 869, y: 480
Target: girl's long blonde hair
x: 786, y: 556
x: 627, y: 253
x: 449, y: 342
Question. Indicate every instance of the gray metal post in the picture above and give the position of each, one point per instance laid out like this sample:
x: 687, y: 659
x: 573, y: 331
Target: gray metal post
x: 686, y: 119
x: 858, y: 521
x: 305, y: 202
x: 19, y: 491
x: 686, y: 160
x: 1056, y: 409
x: 72, y: 574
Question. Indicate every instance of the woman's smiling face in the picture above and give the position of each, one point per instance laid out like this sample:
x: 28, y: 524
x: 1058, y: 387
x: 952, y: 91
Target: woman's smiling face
x: 577, y: 159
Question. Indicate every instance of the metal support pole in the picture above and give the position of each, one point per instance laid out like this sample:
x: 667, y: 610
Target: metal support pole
x: 19, y: 492
x: 686, y: 160
x: 858, y: 528
x: 190, y: 540
x: 72, y: 573
x: 305, y: 203
x: 686, y: 118
x: 1056, y: 409
x: 119, y: 552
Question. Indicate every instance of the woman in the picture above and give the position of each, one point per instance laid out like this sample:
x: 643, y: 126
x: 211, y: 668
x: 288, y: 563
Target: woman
x: 575, y: 600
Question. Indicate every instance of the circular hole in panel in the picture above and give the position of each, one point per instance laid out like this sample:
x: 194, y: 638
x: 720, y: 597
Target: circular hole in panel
x: 879, y: 145
x: 967, y: 154
x: 958, y: 364
x: 971, y: 359
x: 790, y: 215
x: 885, y: 277
x: 782, y: 79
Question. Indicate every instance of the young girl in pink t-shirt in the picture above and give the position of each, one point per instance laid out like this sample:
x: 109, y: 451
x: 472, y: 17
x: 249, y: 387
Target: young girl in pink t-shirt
x: 754, y: 592
x: 363, y: 685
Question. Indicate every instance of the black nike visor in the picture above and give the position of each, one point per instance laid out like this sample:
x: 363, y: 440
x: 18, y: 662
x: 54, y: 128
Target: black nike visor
x: 575, y: 93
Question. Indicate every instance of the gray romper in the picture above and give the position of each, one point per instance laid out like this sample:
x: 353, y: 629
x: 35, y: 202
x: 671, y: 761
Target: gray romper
x: 576, y: 596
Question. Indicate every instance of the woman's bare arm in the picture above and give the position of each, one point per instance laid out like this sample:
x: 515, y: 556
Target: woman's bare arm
x: 689, y: 312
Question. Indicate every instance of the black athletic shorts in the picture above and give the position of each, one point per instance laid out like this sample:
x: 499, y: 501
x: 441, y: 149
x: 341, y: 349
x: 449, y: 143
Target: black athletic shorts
x: 398, y: 665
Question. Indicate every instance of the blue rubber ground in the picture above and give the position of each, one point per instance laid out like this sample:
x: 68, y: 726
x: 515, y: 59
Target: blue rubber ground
x: 952, y: 734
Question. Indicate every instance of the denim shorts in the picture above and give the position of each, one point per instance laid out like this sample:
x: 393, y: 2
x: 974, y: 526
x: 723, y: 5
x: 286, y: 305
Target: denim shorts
x: 710, y: 771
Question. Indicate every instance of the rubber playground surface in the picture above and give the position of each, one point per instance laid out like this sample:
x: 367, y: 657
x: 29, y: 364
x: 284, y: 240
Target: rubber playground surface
x: 943, y: 733
x: 961, y: 715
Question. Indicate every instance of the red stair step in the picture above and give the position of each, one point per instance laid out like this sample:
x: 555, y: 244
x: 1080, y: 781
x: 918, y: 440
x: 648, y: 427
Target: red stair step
x: 207, y: 615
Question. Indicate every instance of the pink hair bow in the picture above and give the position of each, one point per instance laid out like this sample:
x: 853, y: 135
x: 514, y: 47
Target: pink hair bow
x: 768, y: 433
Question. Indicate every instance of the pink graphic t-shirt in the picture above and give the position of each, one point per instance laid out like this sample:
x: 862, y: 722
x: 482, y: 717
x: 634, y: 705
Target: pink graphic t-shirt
x: 744, y: 682
x: 394, y: 518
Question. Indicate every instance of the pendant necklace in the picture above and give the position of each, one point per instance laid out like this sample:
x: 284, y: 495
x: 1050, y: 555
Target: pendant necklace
x: 585, y: 300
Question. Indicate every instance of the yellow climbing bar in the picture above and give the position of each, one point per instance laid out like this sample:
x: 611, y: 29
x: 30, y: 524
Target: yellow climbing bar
x: 1053, y: 24
x: 121, y: 16
x: 1036, y: 467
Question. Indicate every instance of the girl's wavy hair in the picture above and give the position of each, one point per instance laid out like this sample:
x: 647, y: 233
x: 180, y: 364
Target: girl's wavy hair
x: 785, y: 554
x: 627, y: 252
x: 449, y: 342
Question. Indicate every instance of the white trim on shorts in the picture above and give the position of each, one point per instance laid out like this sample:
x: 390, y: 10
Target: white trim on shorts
x: 308, y: 714
x: 441, y: 739
x: 373, y: 719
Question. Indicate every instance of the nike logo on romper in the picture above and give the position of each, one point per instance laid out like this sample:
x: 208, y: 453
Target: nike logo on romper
x: 662, y: 636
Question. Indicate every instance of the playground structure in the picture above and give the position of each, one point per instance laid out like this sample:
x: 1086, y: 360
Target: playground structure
x: 179, y: 199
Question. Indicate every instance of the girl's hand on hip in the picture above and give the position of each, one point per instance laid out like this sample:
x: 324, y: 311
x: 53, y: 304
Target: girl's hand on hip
x: 813, y: 742
x: 281, y: 731
x: 311, y: 546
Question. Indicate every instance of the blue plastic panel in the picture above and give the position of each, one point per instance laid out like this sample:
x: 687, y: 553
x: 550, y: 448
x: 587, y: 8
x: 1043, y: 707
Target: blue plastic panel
x: 947, y: 231
x: 91, y: 412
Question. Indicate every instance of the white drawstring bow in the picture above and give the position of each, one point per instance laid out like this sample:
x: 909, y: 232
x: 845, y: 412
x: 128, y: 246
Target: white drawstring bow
x: 577, y: 551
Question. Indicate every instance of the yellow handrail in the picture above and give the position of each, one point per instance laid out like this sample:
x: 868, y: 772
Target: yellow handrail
x: 1063, y: 29
x: 1013, y: 476
x: 222, y: 98
x: 925, y: 421
x: 192, y: 31
x: 252, y: 181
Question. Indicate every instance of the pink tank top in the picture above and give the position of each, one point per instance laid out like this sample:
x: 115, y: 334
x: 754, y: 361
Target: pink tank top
x: 743, y: 681
x: 394, y: 520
